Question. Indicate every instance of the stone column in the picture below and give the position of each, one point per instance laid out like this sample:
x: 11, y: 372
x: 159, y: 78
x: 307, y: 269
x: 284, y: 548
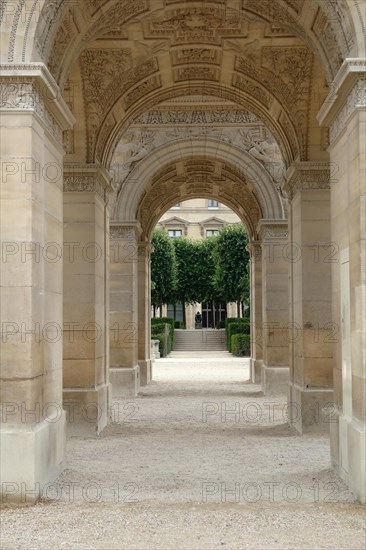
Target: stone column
x: 144, y: 313
x: 344, y: 112
x: 312, y: 331
x: 124, y: 368
x: 33, y: 116
x: 256, y: 351
x: 275, y: 368
x: 86, y: 377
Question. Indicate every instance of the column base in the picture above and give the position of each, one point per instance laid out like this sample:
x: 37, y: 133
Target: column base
x: 256, y: 370
x: 31, y: 457
x: 274, y: 380
x: 87, y: 410
x: 348, y: 454
x: 125, y: 382
x: 145, y: 372
x: 310, y: 410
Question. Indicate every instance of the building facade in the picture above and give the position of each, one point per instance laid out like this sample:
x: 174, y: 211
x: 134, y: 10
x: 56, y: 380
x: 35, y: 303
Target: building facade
x: 111, y: 113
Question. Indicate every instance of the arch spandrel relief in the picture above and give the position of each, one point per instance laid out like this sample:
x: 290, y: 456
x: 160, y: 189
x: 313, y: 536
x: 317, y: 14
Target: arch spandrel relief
x: 246, y: 133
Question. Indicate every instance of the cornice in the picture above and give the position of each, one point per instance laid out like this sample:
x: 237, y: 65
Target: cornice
x: 304, y: 176
x: 272, y: 229
x: 347, y: 94
x: 45, y: 90
x: 124, y: 230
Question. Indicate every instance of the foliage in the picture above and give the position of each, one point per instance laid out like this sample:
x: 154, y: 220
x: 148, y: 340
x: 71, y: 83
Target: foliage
x: 160, y: 322
x: 231, y: 259
x: 189, y: 271
x: 240, y: 344
x: 240, y: 327
x: 163, y: 269
x: 163, y: 344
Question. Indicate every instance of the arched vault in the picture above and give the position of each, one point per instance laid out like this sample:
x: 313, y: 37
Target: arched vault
x: 199, y: 168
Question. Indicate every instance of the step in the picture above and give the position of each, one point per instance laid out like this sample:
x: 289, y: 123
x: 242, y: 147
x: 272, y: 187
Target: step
x: 199, y: 340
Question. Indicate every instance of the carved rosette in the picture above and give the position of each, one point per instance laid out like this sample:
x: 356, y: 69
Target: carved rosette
x: 304, y: 176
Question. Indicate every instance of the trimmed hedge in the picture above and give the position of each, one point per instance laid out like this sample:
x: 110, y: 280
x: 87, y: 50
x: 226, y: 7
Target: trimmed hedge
x: 169, y: 320
x: 161, y: 332
x: 240, y: 345
x: 158, y: 328
x: 236, y: 325
x: 163, y: 344
x: 179, y: 324
x: 229, y: 320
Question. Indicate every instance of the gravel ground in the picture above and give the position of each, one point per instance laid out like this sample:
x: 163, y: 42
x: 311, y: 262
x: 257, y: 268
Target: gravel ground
x: 199, y: 460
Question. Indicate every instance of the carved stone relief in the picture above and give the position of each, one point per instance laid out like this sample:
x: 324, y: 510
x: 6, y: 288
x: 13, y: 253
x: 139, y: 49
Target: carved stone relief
x: 21, y: 93
x: 246, y: 133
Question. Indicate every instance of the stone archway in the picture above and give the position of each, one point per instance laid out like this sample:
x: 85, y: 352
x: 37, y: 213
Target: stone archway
x: 73, y: 80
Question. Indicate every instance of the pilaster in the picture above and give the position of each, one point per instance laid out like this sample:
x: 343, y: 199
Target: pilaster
x: 344, y: 112
x: 144, y: 312
x: 311, y: 332
x: 124, y: 367
x: 32, y: 117
x: 275, y: 368
x: 256, y: 321
x: 86, y: 338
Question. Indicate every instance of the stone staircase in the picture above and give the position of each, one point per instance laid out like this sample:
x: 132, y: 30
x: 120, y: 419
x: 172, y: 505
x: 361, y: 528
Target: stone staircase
x: 199, y: 340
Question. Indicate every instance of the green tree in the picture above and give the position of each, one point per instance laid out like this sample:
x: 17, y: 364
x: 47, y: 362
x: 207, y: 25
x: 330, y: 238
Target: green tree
x: 231, y: 259
x: 186, y: 271
x: 163, y: 270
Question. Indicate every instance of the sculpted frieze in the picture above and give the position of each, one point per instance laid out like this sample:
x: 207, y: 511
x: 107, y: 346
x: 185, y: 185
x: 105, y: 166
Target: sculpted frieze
x: 186, y: 115
x: 356, y: 98
x: 196, y: 55
x: 196, y: 73
x: 140, y: 91
x: 247, y: 85
x: 20, y: 93
x: 196, y: 24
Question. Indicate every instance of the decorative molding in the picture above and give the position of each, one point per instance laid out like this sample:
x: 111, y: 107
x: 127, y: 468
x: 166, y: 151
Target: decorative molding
x: 124, y: 230
x: 141, y: 90
x: 184, y: 114
x: 272, y: 229
x: 196, y: 25
x: 87, y: 178
x: 252, y: 138
x: 37, y: 91
x: 196, y: 72
x: 352, y: 70
x: 175, y: 222
x: 355, y: 100
x: 190, y: 54
x: 144, y: 249
x: 23, y: 94
x: 255, y: 250
x: 83, y: 184
x: 251, y: 88
x: 304, y: 176
x: 197, y: 178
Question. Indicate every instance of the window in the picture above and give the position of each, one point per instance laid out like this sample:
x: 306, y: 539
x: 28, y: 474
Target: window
x: 211, y: 232
x: 176, y: 206
x: 212, y: 203
x: 174, y: 232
